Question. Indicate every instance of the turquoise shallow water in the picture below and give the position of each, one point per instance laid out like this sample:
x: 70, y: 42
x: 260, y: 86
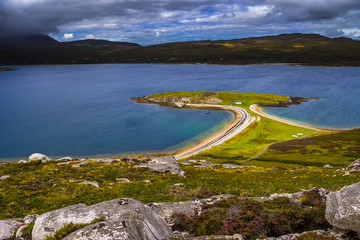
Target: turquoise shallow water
x: 85, y: 110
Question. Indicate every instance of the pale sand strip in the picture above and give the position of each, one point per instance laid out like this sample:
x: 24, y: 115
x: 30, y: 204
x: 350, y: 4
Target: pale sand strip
x: 241, y: 121
x: 257, y: 109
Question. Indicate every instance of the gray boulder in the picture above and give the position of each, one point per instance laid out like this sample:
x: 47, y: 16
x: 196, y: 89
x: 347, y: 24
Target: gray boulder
x: 30, y: 218
x: 163, y: 164
x: 94, y: 184
x: 121, y: 230
x: 64, y: 159
x: 166, y: 210
x: 19, y: 232
x: 81, y: 164
x: 7, y: 228
x: 122, y: 217
x: 353, y: 167
x: 38, y: 157
x: 3, y: 177
x: 343, y: 208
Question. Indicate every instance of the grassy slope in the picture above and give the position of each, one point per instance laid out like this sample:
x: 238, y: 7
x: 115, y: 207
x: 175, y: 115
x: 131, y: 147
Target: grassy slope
x: 305, y: 49
x: 38, y: 188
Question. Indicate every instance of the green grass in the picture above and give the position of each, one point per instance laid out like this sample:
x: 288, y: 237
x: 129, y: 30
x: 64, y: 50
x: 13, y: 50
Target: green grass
x: 336, y: 149
x: 226, y: 97
x: 48, y: 186
x: 251, y: 142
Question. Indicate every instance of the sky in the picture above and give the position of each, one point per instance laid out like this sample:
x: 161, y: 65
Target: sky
x: 159, y: 21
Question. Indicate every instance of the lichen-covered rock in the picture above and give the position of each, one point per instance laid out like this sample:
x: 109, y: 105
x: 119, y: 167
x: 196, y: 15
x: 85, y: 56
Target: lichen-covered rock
x: 81, y: 164
x: 48, y: 223
x: 166, y: 210
x: 163, y: 164
x: 122, y: 218
x: 3, y: 177
x: 94, y: 184
x: 64, y: 159
x: 30, y: 218
x: 124, y: 180
x: 38, y: 157
x: 343, y: 208
x: 353, y: 167
x: 119, y: 230
x: 19, y: 232
x: 7, y: 228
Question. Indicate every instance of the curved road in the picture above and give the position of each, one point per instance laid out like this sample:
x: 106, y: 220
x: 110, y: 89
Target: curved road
x: 241, y: 121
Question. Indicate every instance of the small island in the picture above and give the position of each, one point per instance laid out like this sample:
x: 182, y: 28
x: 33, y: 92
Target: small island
x: 6, y: 69
x: 258, y: 177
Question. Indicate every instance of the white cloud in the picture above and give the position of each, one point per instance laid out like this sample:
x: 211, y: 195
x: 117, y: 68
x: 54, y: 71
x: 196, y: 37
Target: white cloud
x: 90, y: 36
x: 352, y: 32
x: 68, y: 36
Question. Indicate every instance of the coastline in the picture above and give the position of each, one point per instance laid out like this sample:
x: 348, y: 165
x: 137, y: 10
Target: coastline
x: 241, y: 121
x: 258, y: 110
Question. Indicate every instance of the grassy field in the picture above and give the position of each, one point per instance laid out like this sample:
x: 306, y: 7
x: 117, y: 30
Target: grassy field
x: 40, y: 187
x: 227, y: 97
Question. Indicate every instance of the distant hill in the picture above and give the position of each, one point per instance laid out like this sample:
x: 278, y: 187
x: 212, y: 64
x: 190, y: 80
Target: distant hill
x: 99, y: 42
x: 294, y: 49
x: 26, y: 41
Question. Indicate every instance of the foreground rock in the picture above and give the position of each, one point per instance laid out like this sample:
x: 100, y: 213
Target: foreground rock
x: 7, y: 228
x: 122, y: 219
x: 343, y: 208
x: 167, y: 210
x: 38, y: 157
x: 163, y: 164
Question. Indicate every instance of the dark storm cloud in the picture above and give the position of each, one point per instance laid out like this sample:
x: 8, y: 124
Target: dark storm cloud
x: 310, y: 10
x: 168, y: 20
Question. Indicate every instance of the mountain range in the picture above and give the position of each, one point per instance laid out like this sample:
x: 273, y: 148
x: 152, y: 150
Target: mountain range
x: 292, y: 49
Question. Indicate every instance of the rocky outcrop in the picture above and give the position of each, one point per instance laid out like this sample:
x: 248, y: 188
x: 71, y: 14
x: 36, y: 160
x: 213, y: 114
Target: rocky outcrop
x: 353, y: 167
x: 7, y: 228
x: 343, y: 208
x: 166, y: 210
x: 38, y: 157
x: 205, y: 164
x: 163, y: 164
x: 122, y: 219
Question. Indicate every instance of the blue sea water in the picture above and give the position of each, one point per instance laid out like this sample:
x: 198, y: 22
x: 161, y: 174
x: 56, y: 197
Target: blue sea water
x: 85, y: 110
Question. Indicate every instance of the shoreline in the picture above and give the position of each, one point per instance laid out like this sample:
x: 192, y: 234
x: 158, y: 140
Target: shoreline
x: 258, y: 110
x: 242, y: 120
x: 210, y: 64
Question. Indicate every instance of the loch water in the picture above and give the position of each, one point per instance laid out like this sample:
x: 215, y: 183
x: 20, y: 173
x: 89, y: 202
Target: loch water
x: 85, y: 110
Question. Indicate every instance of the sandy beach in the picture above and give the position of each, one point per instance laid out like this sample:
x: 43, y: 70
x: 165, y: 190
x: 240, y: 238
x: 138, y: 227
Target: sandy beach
x: 241, y: 121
